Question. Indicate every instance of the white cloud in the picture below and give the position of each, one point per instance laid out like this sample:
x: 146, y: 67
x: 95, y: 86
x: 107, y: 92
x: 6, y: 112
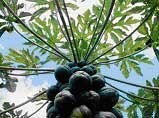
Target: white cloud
x: 25, y: 89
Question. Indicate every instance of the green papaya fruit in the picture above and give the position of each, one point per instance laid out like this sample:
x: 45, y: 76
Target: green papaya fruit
x: 97, y: 82
x: 52, y: 112
x: 81, y: 64
x: 71, y: 64
x: 81, y: 112
x: 51, y: 92
x: 50, y: 104
x: 87, y: 69
x: 90, y: 99
x: 108, y: 98
x: 65, y: 87
x: 90, y: 69
x: 104, y: 114
x: 80, y: 81
x: 75, y: 69
x: 94, y: 69
x: 64, y: 102
x: 63, y: 73
x: 116, y: 112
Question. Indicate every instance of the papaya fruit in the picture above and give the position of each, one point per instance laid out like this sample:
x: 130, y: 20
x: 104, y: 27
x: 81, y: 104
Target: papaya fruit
x: 97, y: 82
x: 81, y: 64
x: 71, y: 64
x: 64, y: 87
x: 90, y: 69
x: 63, y: 73
x: 64, y: 102
x: 108, y: 98
x: 75, y: 69
x: 87, y: 69
x: 116, y: 112
x: 52, y: 112
x: 81, y: 112
x: 94, y: 69
x: 51, y: 92
x: 104, y: 114
x: 50, y: 104
x: 80, y: 81
x: 90, y: 99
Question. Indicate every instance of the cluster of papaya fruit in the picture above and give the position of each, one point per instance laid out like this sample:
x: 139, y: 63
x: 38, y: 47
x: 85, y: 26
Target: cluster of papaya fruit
x: 81, y: 93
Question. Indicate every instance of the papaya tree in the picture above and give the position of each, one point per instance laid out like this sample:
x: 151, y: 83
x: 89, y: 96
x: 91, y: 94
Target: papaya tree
x: 106, y: 33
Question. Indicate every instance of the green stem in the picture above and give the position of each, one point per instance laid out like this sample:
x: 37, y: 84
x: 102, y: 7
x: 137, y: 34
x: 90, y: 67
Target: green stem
x: 119, y: 59
x: 37, y: 109
x: 122, y: 91
x: 126, y: 38
x: 28, y: 69
x: 65, y: 26
x: 93, y: 36
x: 102, y: 31
x: 20, y: 105
x: 29, y: 74
x: 73, y: 37
x: 35, y: 34
x: 134, y: 102
x: 61, y: 27
x: 136, y: 85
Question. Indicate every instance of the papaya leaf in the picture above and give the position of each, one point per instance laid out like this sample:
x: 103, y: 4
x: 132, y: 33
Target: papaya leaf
x: 23, y: 58
x: 38, y: 12
x: 24, y: 14
x: 124, y: 69
x: 147, y: 112
x: 156, y: 53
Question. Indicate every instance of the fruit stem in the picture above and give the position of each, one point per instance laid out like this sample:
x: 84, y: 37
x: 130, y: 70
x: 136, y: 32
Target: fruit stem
x: 65, y: 26
x: 136, y: 85
x: 93, y: 36
x: 102, y: 30
x: 28, y: 69
x: 132, y: 95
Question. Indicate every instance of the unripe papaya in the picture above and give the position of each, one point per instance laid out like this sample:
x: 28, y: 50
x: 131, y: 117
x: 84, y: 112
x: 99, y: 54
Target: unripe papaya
x: 63, y: 73
x: 103, y: 114
x: 64, y: 102
x: 116, y: 112
x: 81, y: 64
x: 108, y: 98
x: 75, y: 69
x: 97, y: 82
x: 65, y: 87
x: 51, y: 104
x: 51, y: 92
x: 90, y: 69
x: 90, y: 99
x: 81, y: 112
x: 80, y: 81
x: 52, y: 112
x: 71, y: 64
